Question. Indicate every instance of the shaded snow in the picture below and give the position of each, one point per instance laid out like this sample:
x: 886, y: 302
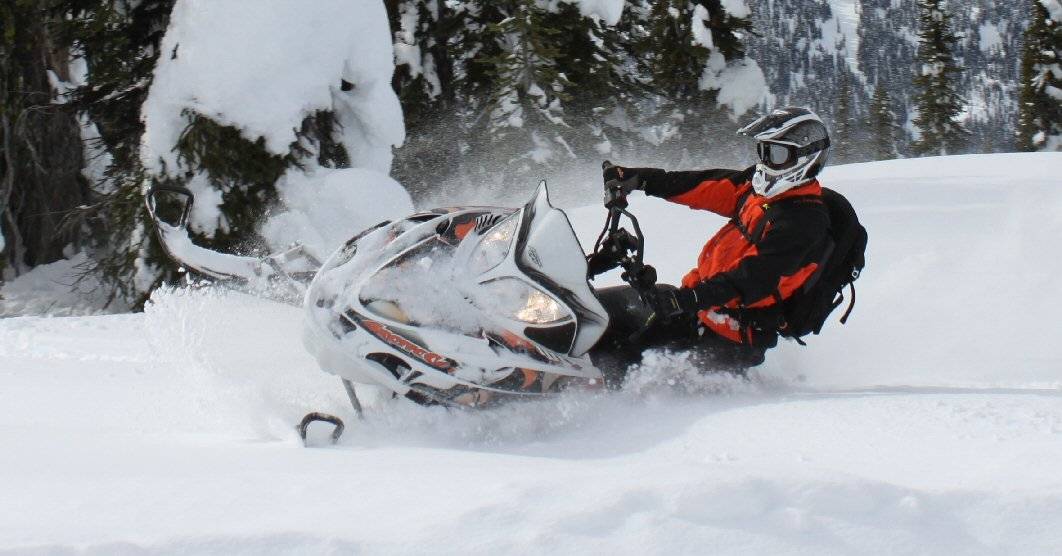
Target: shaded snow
x: 56, y: 289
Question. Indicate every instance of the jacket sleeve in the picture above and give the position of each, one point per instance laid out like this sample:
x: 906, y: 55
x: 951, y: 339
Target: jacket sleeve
x: 796, y: 238
x: 716, y: 190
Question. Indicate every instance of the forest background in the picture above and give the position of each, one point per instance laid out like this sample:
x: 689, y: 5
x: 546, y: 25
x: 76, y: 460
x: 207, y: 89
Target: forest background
x: 270, y: 110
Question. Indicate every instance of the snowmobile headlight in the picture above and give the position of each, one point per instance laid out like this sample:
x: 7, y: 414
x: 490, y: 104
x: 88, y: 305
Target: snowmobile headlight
x: 517, y: 300
x: 494, y: 246
x: 540, y: 309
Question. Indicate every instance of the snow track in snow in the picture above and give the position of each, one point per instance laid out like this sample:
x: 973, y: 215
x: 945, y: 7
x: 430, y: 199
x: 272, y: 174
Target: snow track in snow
x: 908, y: 431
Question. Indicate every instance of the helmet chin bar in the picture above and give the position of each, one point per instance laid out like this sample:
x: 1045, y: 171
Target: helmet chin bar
x: 768, y: 183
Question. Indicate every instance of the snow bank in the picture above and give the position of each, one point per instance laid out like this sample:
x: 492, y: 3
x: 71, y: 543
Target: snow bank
x: 327, y: 207
x: 263, y: 70
x: 56, y: 289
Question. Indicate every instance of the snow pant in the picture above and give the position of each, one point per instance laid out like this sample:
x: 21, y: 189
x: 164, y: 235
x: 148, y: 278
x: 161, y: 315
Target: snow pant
x: 626, y: 338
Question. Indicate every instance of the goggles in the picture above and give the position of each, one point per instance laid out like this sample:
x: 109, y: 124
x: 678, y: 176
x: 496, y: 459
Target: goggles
x: 780, y: 155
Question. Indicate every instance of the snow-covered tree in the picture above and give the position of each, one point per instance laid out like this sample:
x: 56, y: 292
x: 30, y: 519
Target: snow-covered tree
x: 541, y: 87
x: 882, y: 124
x: 1040, y: 109
x: 118, y: 42
x: 938, y: 101
x: 693, y: 56
x: 844, y: 120
x: 522, y: 125
x: 424, y: 79
x: 41, y: 186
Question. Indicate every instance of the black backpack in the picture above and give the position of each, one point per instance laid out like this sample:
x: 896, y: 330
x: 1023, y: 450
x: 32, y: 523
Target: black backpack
x: 806, y: 311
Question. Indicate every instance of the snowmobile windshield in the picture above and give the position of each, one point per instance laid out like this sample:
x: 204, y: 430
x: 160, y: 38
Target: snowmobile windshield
x: 548, y: 254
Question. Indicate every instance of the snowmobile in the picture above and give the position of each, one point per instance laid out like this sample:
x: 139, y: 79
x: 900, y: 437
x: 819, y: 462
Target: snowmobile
x: 464, y: 307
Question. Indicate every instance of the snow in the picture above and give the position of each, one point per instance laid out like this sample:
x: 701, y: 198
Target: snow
x: 264, y: 77
x: 846, y: 22
x: 989, y: 37
x: 931, y: 423
x: 741, y: 83
x: 609, y: 11
x: 701, y: 34
x: 1054, y: 9
x: 56, y: 289
x: 737, y: 8
x: 327, y: 207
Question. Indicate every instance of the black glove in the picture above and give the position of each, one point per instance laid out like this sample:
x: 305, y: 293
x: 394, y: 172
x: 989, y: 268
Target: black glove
x: 623, y: 179
x: 671, y: 303
x: 627, y: 179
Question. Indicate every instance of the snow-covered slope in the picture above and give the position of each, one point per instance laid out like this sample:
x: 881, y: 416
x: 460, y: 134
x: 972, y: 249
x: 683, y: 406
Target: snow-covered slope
x: 932, y: 423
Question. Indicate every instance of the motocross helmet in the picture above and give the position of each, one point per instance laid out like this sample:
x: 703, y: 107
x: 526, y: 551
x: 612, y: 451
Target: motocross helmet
x: 792, y: 145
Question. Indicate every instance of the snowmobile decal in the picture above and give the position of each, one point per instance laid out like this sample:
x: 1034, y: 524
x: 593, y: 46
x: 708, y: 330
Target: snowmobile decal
x: 461, y: 230
x: 407, y: 346
x: 487, y: 221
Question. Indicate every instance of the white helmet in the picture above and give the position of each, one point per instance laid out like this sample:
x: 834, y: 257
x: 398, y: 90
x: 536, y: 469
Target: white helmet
x: 792, y: 144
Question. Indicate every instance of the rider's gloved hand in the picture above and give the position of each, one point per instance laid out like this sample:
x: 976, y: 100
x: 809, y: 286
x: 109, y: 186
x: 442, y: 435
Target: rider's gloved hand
x: 683, y: 301
x: 672, y: 303
x: 627, y: 179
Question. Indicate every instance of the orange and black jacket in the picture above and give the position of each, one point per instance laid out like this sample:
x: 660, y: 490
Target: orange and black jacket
x: 753, y: 261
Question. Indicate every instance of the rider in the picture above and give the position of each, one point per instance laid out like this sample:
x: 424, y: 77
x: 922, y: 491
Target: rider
x: 749, y: 266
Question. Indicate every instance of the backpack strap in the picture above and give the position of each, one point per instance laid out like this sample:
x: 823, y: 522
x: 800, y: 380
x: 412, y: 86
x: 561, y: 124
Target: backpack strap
x: 736, y: 219
x: 851, y: 303
x: 769, y: 213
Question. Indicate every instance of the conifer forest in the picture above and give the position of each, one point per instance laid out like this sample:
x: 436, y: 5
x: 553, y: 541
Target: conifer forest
x: 464, y: 100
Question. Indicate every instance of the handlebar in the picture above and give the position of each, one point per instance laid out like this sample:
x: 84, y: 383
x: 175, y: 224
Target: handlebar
x: 617, y: 247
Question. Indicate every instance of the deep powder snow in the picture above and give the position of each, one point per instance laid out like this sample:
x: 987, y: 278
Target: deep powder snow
x: 932, y: 423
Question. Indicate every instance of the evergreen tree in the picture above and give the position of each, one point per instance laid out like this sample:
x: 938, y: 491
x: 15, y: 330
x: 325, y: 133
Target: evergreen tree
x: 424, y: 80
x: 882, y: 125
x: 678, y: 41
x: 541, y: 88
x: 41, y: 186
x: 523, y: 119
x: 844, y: 150
x: 939, y: 103
x: 594, y: 61
x: 119, y: 40
x: 1040, y: 108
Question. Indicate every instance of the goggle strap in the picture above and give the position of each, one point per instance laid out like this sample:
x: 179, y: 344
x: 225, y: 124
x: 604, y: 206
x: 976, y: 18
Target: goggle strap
x: 816, y: 146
